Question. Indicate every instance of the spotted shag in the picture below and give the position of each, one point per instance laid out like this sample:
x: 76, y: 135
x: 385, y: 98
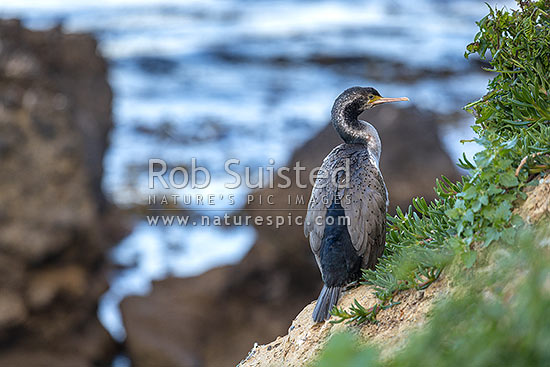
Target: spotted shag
x: 346, y: 218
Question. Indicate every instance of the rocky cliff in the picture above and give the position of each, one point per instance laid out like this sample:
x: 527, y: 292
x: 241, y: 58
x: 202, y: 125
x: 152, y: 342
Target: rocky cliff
x: 55, y: 116
x: 215, y: 318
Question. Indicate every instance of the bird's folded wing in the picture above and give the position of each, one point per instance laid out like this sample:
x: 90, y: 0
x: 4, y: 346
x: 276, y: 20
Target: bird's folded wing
x: 314, y: 226
x: 365, y: 208
x: 363, y: 197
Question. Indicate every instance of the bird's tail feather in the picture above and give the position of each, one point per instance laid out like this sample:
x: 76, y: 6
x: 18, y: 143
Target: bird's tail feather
x: 328, y: 298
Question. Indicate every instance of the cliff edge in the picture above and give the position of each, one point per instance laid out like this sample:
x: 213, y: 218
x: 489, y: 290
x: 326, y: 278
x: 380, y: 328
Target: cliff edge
x: 305, y: 339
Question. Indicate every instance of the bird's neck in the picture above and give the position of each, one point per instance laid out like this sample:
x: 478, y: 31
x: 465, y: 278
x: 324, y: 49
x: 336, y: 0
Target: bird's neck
x: 354, y: 131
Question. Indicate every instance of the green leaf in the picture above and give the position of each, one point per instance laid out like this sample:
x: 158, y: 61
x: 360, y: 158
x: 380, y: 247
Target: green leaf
x: 469, y: 216
x: 469, y: 193
x: 494, y: 190
x: 504, y: 211
x: 508, y: 179
x: 491, y: 234
x: 453, y: 213
x: 511, y: 143
x: 483, y: 159
x: 483, y: 199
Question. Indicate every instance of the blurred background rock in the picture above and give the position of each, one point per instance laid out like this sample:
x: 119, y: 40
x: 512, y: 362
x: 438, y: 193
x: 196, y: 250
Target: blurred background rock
x: 55, y: 117
x: 80, y: 118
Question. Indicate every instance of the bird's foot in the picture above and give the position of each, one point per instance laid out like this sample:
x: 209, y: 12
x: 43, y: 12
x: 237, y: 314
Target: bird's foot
x: 352, y: 285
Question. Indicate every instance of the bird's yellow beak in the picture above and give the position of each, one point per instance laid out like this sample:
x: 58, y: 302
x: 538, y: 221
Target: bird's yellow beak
x: 376, y: 100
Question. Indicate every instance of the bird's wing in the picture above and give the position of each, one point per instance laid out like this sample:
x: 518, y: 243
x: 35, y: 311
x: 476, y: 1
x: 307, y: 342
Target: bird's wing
x: 321, y: 198
x: 363, y: 199
x: 314, y: 226
x: 364, y: 202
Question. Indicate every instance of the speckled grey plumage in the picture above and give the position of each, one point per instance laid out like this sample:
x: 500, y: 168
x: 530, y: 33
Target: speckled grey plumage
x: 364, y: 198
x: 364, y: 201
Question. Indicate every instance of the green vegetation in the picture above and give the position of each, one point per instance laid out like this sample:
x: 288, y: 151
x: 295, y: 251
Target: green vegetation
x: 500, y: 318
x: 513, y: 126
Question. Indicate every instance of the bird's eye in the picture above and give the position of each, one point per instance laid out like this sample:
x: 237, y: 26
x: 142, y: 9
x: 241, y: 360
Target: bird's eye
x: 371, y: 96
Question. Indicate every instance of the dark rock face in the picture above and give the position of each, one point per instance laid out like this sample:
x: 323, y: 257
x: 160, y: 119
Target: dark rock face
x: 55, y: 114
x: 214, y: 319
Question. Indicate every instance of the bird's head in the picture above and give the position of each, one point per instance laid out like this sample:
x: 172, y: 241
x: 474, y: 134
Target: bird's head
x: 346, y: 110
x: 364, y: 98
